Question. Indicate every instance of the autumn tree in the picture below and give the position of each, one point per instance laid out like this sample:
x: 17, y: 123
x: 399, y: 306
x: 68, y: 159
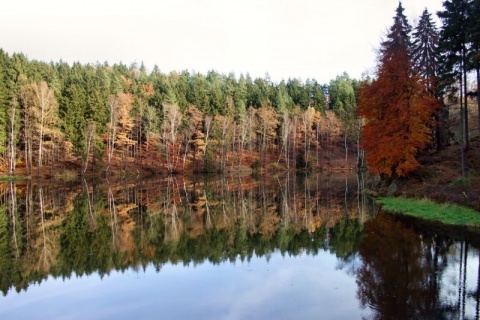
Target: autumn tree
x: 208, y: 125
x: 243, y: 129
x: 285, y: 133
x: 267, y: 126
x: 172, y: 118
x: 223, y: 133
x: 396, y: 106
x: 194, y: 135
x: 111, y: 129
x: 41, y: 109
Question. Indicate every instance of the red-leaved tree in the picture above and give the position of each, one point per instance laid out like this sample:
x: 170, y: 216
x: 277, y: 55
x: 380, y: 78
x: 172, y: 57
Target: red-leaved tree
x: 396, y: 106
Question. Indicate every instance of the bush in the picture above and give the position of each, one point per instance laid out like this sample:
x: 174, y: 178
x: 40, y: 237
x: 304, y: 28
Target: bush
x: 460, y: 182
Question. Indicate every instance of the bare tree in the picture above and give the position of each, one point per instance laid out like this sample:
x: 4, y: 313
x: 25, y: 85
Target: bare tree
x: 208, y: 126
x: 91, y: 127
x: 172, y: 118
x: 267, y: 123
x: 224, y: 135
x: 285, y: 136
x: 111, y: 128
x: 41, y: 113
x: 307, y: 119
x: 47, y: 108
x: 12, y: 113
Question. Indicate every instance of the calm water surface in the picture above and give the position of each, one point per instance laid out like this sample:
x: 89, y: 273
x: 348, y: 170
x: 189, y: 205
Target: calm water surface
x: 295, y: 247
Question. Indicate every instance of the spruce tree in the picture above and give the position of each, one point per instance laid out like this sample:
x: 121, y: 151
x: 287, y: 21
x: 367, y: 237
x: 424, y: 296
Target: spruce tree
x: 474, y: 39
x: 453, y: 50
x: 425, y: 59
x: 425, y: 46
x: 399, y: 35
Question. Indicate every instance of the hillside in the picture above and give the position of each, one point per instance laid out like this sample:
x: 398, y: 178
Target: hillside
x: 440, y: 179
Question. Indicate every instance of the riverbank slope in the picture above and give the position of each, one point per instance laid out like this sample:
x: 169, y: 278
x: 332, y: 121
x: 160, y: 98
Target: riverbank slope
x: 440, y: 179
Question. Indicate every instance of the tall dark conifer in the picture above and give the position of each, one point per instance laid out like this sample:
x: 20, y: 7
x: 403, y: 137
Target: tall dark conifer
x: 453, y: 55
x: 399, y: 35
x: 425, y: 58
x: 425, y: 46
x: 474, y: 39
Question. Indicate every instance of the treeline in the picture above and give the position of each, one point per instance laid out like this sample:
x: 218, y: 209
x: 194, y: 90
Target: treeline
x: 101, y: 117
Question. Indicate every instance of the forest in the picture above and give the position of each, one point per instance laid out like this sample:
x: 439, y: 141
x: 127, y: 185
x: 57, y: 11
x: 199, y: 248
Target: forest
x: 59, y: 119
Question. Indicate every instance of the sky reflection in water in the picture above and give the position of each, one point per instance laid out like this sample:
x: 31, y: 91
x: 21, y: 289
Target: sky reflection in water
x: 304, y: 286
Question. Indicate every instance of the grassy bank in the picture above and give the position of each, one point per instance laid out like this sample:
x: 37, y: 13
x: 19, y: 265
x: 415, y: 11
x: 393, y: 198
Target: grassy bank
x: 451, y: 214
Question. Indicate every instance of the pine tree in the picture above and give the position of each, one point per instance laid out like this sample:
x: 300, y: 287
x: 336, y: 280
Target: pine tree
x: 474, y: 39
x: 425, y: 46
x: 425, y: 59
x: 453, y: 55
x: 399, y: 35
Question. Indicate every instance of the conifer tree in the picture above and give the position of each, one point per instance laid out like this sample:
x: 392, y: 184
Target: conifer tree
x: 425, y: 46
x: 399, y: 35
x: 474, y: 39
x: 453, y: 55
x: 425, y: 59
x: 396, y: 106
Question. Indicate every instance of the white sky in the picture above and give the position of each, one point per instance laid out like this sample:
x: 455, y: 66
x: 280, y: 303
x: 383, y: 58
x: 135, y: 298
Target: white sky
x: 316, y: 39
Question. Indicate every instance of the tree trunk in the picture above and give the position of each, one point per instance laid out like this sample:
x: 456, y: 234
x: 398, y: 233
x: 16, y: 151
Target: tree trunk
x: 90, y: 130
x: 346, y: 148
x: 40, y: 143
x: 112, y: 103
x: 11, y: 164
x: 467, y: 138
x: 462, y: 134
x: 477, y: 67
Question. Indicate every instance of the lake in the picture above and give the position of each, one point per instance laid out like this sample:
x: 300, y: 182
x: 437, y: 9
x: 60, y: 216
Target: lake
x: 232, y: 247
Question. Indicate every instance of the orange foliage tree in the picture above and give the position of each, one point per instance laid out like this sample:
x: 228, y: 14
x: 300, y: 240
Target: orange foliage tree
x: 397, y: 108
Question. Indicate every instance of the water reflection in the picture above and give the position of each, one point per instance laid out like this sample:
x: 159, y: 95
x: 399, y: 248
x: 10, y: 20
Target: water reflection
x: 403, y: 270
x: 407, y: 272
x: 92, y: 226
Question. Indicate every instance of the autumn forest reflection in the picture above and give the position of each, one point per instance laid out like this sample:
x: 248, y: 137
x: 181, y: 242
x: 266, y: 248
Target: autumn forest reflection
x: 403, y: 270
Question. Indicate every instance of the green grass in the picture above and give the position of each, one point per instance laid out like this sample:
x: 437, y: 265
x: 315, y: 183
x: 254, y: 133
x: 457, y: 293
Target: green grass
x: 451, y: 214
x: 13, y: 178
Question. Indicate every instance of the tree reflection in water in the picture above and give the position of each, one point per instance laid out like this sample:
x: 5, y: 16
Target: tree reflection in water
x: 405, y: 273
x: 81, y: 228
x: 402, y: 271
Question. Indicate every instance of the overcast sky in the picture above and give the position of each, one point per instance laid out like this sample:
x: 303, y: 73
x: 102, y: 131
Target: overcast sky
x: 316, y: 39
